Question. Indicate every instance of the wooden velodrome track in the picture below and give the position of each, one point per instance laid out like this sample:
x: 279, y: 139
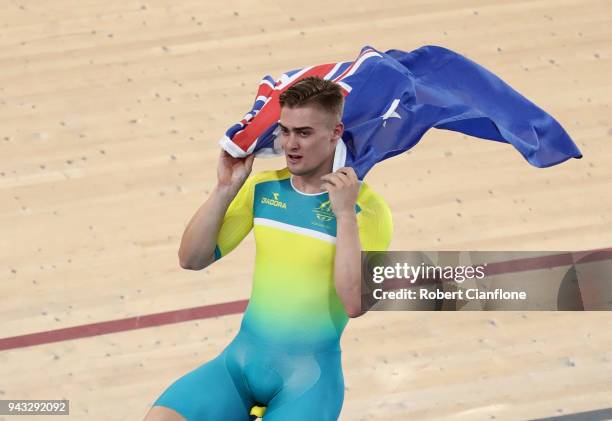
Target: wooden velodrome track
x: 110, y: 114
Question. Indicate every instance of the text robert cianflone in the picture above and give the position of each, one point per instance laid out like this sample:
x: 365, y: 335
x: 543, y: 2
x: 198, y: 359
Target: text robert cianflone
x: 468, y: 294
x: 413, y: 273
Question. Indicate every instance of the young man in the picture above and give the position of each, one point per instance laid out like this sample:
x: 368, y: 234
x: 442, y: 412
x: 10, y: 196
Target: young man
x: 310, y: 225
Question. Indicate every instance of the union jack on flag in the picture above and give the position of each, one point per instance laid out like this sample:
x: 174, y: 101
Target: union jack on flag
x: 393, y: 98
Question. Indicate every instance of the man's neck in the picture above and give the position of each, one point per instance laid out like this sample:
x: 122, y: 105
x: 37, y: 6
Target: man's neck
x: 311, y: 183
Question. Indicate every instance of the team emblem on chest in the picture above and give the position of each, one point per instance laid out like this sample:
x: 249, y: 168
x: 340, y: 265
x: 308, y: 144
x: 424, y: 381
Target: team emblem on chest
x: 324, y: 212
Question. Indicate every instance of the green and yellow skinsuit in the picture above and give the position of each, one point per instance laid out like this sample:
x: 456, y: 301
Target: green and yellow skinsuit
x: 286, y: 355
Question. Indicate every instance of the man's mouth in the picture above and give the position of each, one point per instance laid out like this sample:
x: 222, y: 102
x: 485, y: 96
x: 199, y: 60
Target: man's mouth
x: 293, y: 158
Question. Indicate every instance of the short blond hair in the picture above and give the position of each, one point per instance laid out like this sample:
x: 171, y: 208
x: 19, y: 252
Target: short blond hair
x: 313, y: 90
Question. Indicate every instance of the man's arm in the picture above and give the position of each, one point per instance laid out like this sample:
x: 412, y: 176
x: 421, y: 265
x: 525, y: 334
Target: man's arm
x: 343, y: 188
x: 197, y: 249
x: 347, y: 266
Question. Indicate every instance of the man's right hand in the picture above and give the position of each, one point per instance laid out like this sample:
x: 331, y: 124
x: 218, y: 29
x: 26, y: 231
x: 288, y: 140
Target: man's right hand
x: 232, y: 172
x: 197, y: 249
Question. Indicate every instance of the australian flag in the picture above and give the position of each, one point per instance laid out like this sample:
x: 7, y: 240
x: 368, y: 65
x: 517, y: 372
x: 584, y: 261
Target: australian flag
x: 393, y: 98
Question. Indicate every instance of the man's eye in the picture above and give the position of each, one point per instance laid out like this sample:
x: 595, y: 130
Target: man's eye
x: 304, y: 134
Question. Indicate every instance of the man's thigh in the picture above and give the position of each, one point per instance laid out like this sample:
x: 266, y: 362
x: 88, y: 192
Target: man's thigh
x: 207, y: 393
x: 321, y: 402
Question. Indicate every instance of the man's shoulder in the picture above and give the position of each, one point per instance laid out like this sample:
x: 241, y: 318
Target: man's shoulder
x: 369, y: 197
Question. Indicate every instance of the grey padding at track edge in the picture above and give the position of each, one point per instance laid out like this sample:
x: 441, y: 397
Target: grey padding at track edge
x: 597, y: 415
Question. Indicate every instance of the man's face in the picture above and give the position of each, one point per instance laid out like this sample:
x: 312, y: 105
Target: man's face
x: 308, y: 136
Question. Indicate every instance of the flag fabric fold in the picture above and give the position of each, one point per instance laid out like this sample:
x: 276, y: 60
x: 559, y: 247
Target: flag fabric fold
x: 393, y: 98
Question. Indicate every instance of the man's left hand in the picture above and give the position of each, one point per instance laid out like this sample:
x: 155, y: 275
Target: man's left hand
x: 343, y: 188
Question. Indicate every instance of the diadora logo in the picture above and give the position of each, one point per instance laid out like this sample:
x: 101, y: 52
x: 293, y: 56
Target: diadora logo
x: 274, y: 202
x: 324, y: 212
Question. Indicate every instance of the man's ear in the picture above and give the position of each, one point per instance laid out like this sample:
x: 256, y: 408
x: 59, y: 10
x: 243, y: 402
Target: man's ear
x: 337, y: 132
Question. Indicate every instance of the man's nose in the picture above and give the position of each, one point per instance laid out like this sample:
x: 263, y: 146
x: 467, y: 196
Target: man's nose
x: 291, y: 141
